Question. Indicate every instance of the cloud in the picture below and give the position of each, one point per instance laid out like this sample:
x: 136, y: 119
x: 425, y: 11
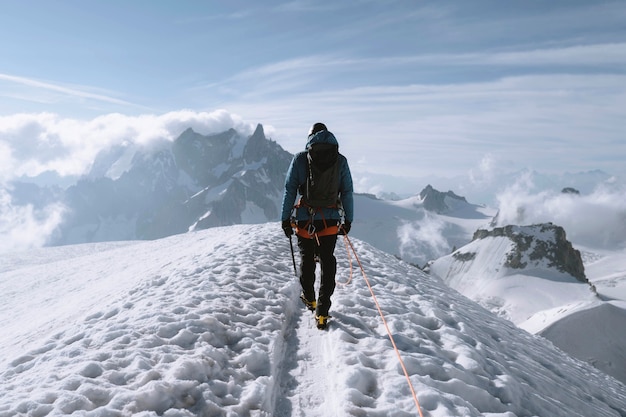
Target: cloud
x: 425, y: 237
x: 307, y: 6
x: 365, y: 184
x: 485, y: 172
x: 541, y: 121
x: 25, y: 227
x: 325, y: 69
x: 62, y: 90
x: 217, y: 17
x: 34, y: 143
x: 595, y: 220
x: 31, y: 144
x: 582, y: 56
x: 579, y: 56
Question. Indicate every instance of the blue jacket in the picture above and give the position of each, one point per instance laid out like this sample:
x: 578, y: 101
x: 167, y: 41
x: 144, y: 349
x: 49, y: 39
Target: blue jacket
x: 297, y: 176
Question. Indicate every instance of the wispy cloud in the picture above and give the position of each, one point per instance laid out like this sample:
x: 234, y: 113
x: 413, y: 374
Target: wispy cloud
x: 308, y: 6
x: 547, y: 121
x: 237, y: 15
x: 63, y: 90
x: 376, y: 75
x: 583, y: 56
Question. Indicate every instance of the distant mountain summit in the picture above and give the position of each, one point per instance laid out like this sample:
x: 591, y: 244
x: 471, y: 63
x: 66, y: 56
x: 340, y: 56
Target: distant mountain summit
x: 510, y: 269
x: 195, y: 182
x: 537, y: 246
x: 440, y: 202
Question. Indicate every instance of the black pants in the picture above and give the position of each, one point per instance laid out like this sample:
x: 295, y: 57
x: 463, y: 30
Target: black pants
x: 308, y: 249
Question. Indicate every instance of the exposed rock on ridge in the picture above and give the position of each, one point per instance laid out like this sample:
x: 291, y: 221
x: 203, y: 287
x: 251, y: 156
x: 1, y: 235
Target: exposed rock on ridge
x: 535, y: 243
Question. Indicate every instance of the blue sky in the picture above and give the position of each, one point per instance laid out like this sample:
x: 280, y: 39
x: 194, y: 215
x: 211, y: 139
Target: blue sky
x: 410, y: 88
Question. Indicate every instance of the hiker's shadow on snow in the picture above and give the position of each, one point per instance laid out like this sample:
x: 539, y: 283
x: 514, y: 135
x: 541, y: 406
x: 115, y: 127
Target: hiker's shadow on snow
x: 287, y: 382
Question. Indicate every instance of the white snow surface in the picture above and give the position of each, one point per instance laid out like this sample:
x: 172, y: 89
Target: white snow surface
x: 210, y: 324
x: 579, y: 328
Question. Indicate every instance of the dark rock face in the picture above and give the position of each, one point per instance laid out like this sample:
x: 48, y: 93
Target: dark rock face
x: 570, y: 190
x: 197, y: 181
x: 539, y: 243
x: 464, y: 256
x: 435, y: 200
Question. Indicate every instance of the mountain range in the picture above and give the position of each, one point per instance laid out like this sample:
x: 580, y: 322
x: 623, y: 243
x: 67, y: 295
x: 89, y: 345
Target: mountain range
x: 135, y: 192
x: 192, y: 183
x: 530, y: 274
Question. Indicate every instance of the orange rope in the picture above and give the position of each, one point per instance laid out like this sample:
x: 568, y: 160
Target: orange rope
x: 406, y: 373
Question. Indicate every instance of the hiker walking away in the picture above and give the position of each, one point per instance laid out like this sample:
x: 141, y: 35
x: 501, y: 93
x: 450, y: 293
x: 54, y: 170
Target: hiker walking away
x: 321, y: 176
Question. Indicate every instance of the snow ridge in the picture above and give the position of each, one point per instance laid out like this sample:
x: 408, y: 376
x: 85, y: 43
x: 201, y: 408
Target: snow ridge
x: 213, y: 327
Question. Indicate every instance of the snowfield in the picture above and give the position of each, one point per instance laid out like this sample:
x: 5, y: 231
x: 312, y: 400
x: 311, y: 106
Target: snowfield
x: 210, y: 324
x: 588, y: 322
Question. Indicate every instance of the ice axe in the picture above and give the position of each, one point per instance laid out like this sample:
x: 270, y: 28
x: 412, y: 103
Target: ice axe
x: 293, y: 257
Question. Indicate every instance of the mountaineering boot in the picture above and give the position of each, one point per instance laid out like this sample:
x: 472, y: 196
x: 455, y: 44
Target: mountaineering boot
x: 321, y: 322
x: 311, y: 305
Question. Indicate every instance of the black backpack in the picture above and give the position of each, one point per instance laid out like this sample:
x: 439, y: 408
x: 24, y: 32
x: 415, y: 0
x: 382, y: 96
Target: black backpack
x: 322, y: 185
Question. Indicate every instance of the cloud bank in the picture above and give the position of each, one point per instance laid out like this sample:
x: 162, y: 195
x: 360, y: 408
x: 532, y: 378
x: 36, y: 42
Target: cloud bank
x: 426, y: 236
x: 595, y: 220
x: 31, y: 144
x: 25, y: 227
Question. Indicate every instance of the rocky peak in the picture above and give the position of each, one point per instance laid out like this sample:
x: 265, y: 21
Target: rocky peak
x: 257, y: 145
x: 196, y: 181
x: 537, y: 244
x: 439, y: 202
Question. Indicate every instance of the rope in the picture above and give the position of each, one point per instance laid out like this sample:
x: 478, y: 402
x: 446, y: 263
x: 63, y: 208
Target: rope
x: 345, y: 240
x: 406, y: 373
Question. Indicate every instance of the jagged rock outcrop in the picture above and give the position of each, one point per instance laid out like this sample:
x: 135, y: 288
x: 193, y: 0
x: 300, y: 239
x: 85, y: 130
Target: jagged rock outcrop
x: 439, y: 202
x: 195, y: 182
x: 536, y: 244
x: 512, y: 271
x: 570, y: 190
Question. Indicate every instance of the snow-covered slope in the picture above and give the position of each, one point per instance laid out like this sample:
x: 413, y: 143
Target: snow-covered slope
x: 517, y: 271
x: 592, y: 331
x: 540, y: 296
x: 209, y: 324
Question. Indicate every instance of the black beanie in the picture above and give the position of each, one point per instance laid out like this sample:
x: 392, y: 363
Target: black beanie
x: 317, y: 127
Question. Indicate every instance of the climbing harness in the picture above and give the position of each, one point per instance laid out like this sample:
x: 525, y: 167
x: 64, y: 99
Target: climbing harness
x: 380, y: 312
x: 309, y: 230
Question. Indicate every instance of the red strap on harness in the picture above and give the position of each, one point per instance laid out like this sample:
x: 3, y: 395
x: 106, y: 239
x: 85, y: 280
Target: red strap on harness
x: 308, y: 230
x: 327, y: 231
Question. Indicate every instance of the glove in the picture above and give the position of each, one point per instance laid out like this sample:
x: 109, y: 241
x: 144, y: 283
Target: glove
x: 286, y: 225
x: 345, y: 228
